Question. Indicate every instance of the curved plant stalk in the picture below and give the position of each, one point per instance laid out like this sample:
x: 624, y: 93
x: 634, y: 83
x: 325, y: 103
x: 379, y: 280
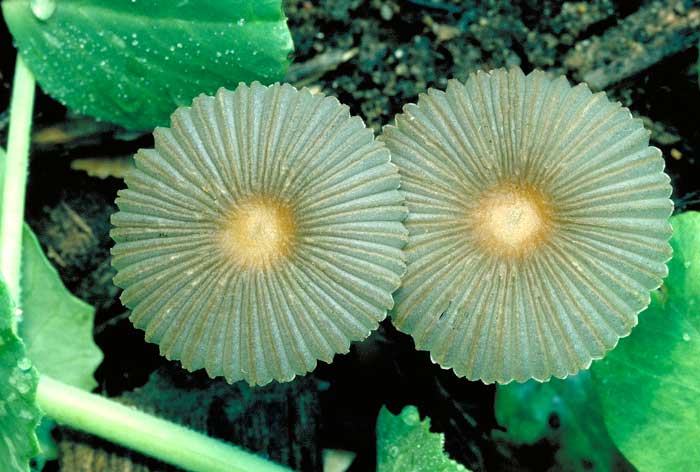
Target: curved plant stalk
x: 71, y: 406
x: 14, y: 177
x: 145, y: 433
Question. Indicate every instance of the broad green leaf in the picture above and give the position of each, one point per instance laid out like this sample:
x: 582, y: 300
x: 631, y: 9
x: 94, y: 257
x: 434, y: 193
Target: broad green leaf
x: 56, y: 326
x: 405, y: 444
x: 649, y: 385
x: 564, y: 412
x: 133, y: 62
x: 19, y: 414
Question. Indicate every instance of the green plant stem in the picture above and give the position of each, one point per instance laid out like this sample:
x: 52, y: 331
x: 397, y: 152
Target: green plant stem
x: 71, y: 406
x: 142, y: 432
x: 14, y: 177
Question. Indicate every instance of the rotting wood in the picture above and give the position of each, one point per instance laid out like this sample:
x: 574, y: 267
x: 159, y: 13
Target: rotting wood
x: 641, y: 40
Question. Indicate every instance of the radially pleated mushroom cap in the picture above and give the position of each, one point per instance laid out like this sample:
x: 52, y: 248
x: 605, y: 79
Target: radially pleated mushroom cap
x: 262, y: 233
x: 538, y: 224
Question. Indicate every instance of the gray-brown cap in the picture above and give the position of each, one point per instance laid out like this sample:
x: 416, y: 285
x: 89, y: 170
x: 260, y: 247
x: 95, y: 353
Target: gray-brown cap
x: 538, y: 224
x: 262, y: 233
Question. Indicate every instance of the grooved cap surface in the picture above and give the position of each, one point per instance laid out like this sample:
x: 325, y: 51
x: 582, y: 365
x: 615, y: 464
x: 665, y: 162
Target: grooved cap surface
x: 538, y: 224
x: 263, y: 233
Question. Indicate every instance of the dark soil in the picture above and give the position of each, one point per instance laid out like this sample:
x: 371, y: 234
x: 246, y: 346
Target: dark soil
x: 393, y: 50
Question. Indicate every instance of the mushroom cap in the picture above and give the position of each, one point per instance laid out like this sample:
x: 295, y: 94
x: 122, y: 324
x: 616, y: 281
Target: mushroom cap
x: 262, y: 233
x: 538, y: 224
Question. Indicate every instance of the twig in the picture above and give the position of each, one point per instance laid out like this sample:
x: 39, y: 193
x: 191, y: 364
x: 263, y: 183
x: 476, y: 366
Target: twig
x: 436, y: 5
x: 643, y: 39
x: 304, y: 73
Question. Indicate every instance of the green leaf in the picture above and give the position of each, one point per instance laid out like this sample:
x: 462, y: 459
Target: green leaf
x: 649, y: 385
x: 47, y: 445
x: 405, y: 444
x: 133, y: 62
x: 565, y: 413
x: 19, y: 414
x: 56, y: 326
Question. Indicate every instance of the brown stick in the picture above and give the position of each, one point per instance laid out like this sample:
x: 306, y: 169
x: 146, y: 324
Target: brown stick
x: 641, y: 40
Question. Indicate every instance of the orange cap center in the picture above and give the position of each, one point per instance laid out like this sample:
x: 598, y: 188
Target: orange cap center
x: 258, y: 231
x: 509, y: 220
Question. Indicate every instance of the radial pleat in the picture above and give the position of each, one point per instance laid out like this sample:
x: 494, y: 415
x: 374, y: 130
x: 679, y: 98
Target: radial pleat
x: 262, y: 234
x: 598, y: 206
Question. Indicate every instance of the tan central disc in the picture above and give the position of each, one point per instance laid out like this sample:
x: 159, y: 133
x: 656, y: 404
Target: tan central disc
x: 509, y: 220
x: 258, y: 231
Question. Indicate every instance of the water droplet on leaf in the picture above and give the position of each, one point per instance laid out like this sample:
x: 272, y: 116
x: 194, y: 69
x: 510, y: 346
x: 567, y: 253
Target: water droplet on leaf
x: 411, y: 417
x: 24, y: 363
x: 23, y: 387
x: 43, y: 9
